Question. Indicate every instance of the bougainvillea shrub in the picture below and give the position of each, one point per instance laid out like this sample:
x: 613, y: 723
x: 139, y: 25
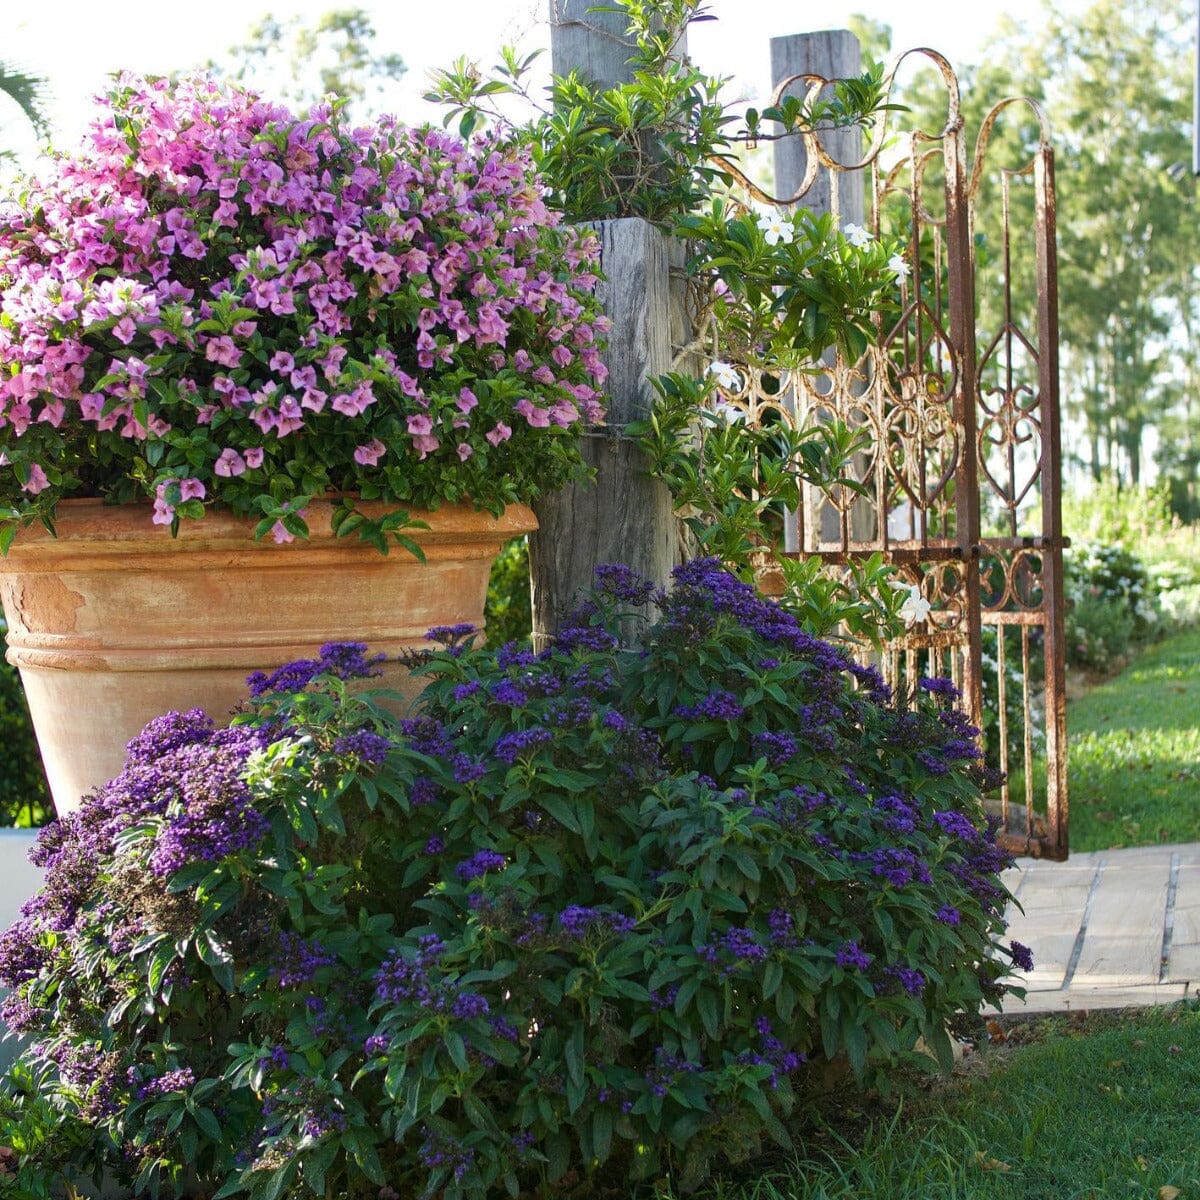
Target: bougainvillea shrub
x: 591, y: 915
x: 218, y: 301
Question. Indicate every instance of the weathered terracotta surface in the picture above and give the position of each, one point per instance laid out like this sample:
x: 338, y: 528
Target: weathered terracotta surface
x: 114, y: 621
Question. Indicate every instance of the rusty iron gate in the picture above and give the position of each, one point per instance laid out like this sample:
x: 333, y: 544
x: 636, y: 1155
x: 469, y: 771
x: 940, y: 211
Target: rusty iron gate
x: 959, y: 401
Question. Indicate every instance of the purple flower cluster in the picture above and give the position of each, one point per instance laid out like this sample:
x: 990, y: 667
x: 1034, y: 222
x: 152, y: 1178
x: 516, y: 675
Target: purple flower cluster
x: 593, y: 638
x: 898, y: 866
x: 717, y: 706
x: 479, y: 864
x: 407, y: 977
x: 450, y: 636
x: 344, y: 660
x: 212, y: 814
x: 945, y: 688
x: 776, y: 748
x: 298, y: 959
x: 319, y: 1123
x: 733, y: 949
x: 169, y: 732
x: 911, y: 980
x: 1022, y: 956
x: 956, y: 825
x: 509, y: 693
x: 620, y: 583
x: 519, y: 742
x: 666, y: 1071
x: 772, y: 1054
x: 850, y: 957
x: 781, y: 926
x: 468, y: 1006
x: 899, y: 816
x: 163, y: 1085
x: 578, y: 921
x: 369, y: 747
x: 376, y: 1044
x: 442, y: 1153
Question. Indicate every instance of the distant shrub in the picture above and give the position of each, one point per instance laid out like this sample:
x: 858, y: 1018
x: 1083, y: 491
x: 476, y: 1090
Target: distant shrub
x: 1116, y: 515
x: 24, y: 796
x: 590, y: 917
x: 1112, y: 575
x: 1098, y: 632
x: 508, y: 614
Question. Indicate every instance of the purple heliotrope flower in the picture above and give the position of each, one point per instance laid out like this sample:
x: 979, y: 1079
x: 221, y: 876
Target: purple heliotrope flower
x: 478, y: 864
x: 577, y: 921
x: 849, y: 956
x: 1022, y: 956
x: 364, y: 744
x: 344, y: 660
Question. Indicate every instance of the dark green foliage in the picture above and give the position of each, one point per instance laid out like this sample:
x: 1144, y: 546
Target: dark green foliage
x: 508, y: 615
x: 24, y: 798
x: 1112, y: 603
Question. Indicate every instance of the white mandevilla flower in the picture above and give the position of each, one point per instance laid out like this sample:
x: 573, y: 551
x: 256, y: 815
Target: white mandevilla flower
x: 898, y: 266
x: 915, y: 607
x: 776, y: 229
x: 857, y: 235
x: 728, y: 414
x: 726, y: 376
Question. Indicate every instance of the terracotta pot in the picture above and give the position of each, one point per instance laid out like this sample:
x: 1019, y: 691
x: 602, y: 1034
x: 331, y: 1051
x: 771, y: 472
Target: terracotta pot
x: 114, y: 621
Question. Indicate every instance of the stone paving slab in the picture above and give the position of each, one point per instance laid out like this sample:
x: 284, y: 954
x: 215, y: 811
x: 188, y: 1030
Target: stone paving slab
x: 1108, y: 929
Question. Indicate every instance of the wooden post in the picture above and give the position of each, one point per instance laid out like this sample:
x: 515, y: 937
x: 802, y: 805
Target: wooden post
x: 623, y: 515
x: 832, y: 54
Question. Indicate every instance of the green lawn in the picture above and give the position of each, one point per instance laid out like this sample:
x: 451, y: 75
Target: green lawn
x: 1135, y: 752
x: 1079, y: 1112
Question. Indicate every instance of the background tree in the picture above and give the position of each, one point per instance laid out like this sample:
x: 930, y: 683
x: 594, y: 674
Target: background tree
x: 22, y: 96
x: 1116, y: 81
x: 300, y: 63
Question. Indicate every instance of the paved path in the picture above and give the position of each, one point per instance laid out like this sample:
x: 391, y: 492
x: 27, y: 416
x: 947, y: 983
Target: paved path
x: 1109, y: 929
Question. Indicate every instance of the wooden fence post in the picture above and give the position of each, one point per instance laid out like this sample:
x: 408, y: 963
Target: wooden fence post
x: 831, y: 54
x: 623, y: 515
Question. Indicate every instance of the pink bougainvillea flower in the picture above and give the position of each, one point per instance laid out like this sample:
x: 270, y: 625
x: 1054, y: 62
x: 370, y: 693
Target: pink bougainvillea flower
x: 229, y: 464
x: 369, y: 454
x: 538, y: 418
x: 37, y: 480
x: 338, y: 306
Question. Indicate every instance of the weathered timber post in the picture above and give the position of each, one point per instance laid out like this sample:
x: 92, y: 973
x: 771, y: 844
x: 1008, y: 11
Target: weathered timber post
x: 623, y: 515
x: 831, y: 54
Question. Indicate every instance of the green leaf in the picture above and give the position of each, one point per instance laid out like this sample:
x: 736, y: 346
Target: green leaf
x: 602, y: 1131
x: 706, y: 1005
x: 208, y: 1123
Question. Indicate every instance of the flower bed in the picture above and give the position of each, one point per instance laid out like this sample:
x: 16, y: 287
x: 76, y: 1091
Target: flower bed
x: 597, y: 913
